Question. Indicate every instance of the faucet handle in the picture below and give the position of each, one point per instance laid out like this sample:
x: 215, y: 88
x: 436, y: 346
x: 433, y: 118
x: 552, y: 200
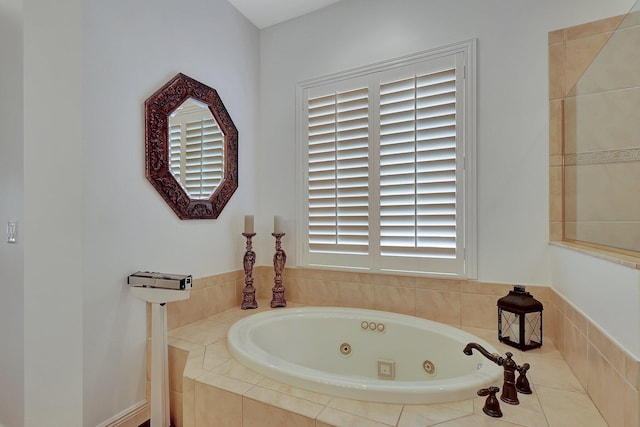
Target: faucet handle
x: 491, y: 405
x: 522, y: 383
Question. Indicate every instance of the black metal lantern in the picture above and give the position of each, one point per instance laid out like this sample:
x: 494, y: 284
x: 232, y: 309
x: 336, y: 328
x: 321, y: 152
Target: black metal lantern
x: 520, y: 319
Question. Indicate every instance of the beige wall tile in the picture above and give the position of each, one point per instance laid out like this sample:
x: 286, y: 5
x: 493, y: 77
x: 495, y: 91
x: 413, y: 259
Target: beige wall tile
x: 321, y: 399
x: 323, y: 293
x: 480, y: 311
x: 357, y: 295
x: 632, y: 370
x: 285, y: 401
x: 486, y: 288
x: 556, y: 126
x: 177, y: 359
x: 555, y: 231
x: 596, y: 27
x: 385, y: 413
x: 438, y: 284
x: 202, y: 332
x: 606, y: 347
x: 576, y: 318
x: 616, y: 65
x: 199, y: 283
x: 439, y: 306
x: 219, y: 298
x: 557, y: 71
x: 570, y: 202
x: 188, y: 403
x: 606, y: 388
x: 555, y: 193
x: 180, y: 313
x: 395, y: 299
x: 580, y: 54
x: 227, y: 411
x: 575, y: 350
x: 296, y: 290
x: 557, y: 36
x: 258, y: 414
x: 631, y: 406
x: 561, y: 333
x: 175, y: 409
x: 606, y: 120
x: 394, y: 280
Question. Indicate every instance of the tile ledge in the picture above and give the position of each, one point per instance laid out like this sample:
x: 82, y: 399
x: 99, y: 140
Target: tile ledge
x: 615, y: 257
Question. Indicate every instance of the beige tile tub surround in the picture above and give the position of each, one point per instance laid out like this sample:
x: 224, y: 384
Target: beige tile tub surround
x: 227, y: 394
x: 579, y: 361
x: 608, y: 373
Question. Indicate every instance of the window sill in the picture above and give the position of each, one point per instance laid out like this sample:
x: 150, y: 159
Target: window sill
x: 601, y: 252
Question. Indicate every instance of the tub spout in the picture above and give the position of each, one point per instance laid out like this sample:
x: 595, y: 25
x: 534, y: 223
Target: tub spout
x: 509, y: 393
x: 495, y: 358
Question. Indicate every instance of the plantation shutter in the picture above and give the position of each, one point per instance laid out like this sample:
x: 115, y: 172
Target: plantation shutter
x: 338, y: 171
x: 422, y: 167
x: 418, y: 166
x: 385, y: 167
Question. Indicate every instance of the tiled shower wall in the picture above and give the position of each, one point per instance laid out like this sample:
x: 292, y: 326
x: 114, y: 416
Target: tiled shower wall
x: 597, y: 178
x: 594, y: 95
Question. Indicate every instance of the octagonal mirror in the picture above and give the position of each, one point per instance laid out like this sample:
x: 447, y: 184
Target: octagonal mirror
x: 191, y: 148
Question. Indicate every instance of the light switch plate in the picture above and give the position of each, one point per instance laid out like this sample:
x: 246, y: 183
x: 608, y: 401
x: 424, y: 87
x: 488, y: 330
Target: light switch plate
x: 12, y: 227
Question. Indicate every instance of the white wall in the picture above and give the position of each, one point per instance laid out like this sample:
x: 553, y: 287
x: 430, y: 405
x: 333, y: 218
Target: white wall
x: 130, y: 49
x: 608, y: 293
x: 53, y: 219
x: 11, y: 209
x: 512, y: 142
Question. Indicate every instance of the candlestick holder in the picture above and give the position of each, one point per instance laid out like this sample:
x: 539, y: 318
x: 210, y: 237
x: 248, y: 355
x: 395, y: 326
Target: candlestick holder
x: 279, y: 260
x: 248, y: 292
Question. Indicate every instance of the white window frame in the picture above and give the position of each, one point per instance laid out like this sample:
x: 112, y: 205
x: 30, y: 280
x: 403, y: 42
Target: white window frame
x: 466, y: 187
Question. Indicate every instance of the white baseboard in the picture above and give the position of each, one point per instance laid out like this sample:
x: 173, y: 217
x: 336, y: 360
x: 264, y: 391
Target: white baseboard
x: 130, y: 417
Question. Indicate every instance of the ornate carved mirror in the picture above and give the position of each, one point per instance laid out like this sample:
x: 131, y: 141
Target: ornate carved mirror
x: 191, y: 147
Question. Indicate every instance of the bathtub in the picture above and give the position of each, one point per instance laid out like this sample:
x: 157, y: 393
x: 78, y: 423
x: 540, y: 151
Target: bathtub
x: 363, y: 354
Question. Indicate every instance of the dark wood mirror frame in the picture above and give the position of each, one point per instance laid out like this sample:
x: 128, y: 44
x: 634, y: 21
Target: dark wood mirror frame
x: 158, y: 108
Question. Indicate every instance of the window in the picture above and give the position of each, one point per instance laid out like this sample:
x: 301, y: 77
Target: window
x: 387, y: 165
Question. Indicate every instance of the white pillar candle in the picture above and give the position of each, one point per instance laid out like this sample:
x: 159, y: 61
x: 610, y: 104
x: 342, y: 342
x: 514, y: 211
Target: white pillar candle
x: 277, y: 225
x: 248, y: 224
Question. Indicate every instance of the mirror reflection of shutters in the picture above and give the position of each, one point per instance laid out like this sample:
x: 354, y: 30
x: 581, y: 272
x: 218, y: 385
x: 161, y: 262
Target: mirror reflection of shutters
x: 175, y: 151
x: 204, y: 142
x: 338, y: 210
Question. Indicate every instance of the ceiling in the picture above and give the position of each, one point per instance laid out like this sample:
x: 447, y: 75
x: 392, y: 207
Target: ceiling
x: 265, y: 13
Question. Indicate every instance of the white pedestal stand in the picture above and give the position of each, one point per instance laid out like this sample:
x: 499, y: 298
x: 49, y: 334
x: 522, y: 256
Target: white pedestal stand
x: 160, y: 415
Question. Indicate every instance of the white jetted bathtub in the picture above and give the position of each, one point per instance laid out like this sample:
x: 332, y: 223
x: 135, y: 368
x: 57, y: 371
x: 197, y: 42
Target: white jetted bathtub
x: 363, y: 354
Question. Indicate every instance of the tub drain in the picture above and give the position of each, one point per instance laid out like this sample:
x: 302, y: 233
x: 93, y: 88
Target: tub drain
x: 345, y: 349
x: 429, y: 367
